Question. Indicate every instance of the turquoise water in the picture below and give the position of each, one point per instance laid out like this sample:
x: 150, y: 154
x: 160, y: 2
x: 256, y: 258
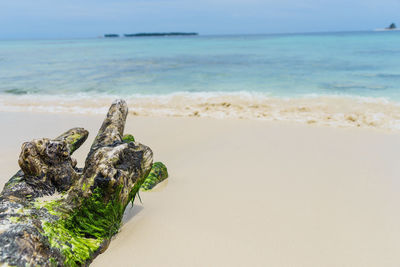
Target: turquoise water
x: 360, y: 64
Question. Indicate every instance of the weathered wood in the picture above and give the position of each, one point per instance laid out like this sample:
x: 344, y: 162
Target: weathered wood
x: 53, y: 213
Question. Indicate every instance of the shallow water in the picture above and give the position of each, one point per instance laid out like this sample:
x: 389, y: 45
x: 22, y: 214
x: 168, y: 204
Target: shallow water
x: 331, y: 78
x: 362, y: 64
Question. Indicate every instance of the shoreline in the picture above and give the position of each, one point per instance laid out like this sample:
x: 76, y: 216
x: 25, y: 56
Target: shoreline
x: 246, y: 192
x: 336, y: 111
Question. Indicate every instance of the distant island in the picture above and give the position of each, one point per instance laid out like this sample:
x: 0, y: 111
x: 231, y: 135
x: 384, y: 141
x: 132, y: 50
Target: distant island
x: 111, y: 35
x: 145, y: 34
x: 391, y: 27
x: 148, y: 34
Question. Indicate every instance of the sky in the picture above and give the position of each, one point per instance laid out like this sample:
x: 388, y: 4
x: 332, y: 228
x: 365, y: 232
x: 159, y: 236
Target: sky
x: 92, y: 18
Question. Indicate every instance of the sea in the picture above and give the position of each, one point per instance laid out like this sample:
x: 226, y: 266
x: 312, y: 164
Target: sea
x: 343, y: 79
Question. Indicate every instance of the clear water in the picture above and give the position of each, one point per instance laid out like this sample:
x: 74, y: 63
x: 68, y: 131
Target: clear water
x: 360, y: 64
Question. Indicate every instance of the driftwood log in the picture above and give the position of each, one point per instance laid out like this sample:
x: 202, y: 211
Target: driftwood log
x: 55, y: 214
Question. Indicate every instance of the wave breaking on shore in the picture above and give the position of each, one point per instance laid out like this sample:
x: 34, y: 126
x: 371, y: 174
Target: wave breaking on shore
x: 339, y: 111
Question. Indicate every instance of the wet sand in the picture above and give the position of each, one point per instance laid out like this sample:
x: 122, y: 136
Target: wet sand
x: 337, y: 111
x: 247, y: 193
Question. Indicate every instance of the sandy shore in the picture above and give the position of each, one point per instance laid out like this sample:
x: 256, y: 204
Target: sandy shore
x: 247, y: 193
x: 337, y: 111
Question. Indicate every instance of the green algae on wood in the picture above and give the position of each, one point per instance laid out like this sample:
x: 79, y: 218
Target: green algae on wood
x: 158, y: 173
x: 55, y: 214
x: 128, y: 138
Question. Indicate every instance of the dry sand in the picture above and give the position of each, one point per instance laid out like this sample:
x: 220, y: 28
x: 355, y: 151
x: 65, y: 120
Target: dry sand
x: 247, y: 193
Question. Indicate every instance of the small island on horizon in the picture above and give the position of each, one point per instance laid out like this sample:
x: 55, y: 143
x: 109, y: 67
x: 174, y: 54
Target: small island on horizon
x: 111, y: 35
x: 149, y: 34
x: 391, y: 27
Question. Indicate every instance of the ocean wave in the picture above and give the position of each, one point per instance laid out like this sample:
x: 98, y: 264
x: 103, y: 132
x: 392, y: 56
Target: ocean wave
x: 338, y: 111
x: 353, y: 86
x: 16, y: 91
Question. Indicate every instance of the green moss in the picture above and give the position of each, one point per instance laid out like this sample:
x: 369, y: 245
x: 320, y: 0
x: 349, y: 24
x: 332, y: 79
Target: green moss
x: 157, y: 174
x: 13, y: 181
x: 128, y: 138
x: 84, y: 186
x: 15, y: 219
x: 20, y: 211
x: 74, y: 140
x: 51, y: 206
x: 96, y: 218
x: 75, y: 247
x: 135, y: 190
x: 53, y: 262
x: 79, y: 234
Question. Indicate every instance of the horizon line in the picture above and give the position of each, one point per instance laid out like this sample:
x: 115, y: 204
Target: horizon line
x: 101, y: 36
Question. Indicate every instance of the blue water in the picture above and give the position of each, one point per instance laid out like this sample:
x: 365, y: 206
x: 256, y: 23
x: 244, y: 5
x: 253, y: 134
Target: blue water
x: 361, y: 64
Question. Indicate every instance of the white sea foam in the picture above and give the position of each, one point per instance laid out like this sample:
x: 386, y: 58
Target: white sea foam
x: 341, y: 111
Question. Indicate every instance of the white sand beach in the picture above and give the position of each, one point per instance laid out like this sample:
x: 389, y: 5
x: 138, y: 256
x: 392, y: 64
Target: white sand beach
x: 245, y: 192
